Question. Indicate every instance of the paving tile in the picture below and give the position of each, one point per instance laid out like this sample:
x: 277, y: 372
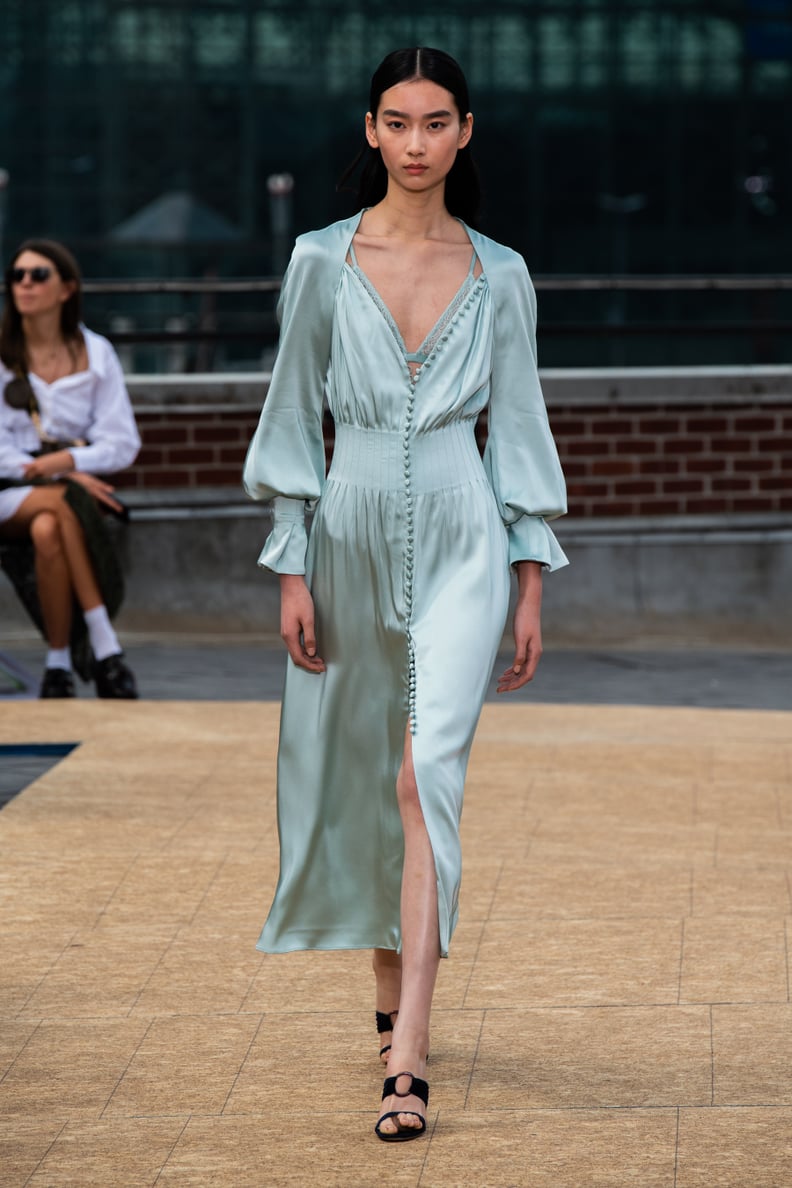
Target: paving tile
x: 480, y: 876
x: 576, y: 963
x: 316, y: 981
x: 745, y: 760
x: 294, y: 1055
x: 122, y: 1152
x: 561, y: 1059
x: 452, y: 984
x: 741, y: 890
x: 23, y: 1144
x: 242, y: 887
x: 28, y: 954
x: 225, y: 828
x: 734, y: 959
x: 70, y: 1067
x: 562, y: 889
x: 784, y: 797
x: 100, y: 972
x: 92, y: 835
x: 624, y: 798
x: 14, y: 1034
x: 252, y: 1152
x: 496, y: 838
x: 734, y: 1148
x: 552, y: 1149
x: 752, y: 1054
x: 589, y: 840
x: 164, y: 889
x: 185, y: 1065
x: 636, y: 760
x: 496, y: 833
x: 726, y: 804
x: 60, y: 888
x: 755, y: 847
x: 203, y: 972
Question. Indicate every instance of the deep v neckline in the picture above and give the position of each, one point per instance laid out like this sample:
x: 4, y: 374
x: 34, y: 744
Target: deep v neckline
x: 428, y: 343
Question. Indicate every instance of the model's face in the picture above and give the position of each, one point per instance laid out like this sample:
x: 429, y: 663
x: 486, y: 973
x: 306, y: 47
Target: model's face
x: 419, y: 132
x: 39, y: 288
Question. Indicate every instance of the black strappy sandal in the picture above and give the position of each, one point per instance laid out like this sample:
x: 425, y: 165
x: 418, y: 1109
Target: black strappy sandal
x: 385, y: 1023
x: 418, y: 1088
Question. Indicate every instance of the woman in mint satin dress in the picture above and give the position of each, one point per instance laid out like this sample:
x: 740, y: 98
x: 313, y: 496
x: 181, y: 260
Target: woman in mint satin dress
x: 409, y: 323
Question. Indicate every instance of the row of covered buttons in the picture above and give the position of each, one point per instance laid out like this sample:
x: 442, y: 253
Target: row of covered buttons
x: 408, y: 552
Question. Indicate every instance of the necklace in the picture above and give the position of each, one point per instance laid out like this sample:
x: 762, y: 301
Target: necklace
x: 48, y: 364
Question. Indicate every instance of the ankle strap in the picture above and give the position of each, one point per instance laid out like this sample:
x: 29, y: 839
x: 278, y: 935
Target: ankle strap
x: 384, y: 1021
x: 418, y: 1087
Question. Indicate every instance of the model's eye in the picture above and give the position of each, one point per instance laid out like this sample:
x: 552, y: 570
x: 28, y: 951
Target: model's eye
x: 436, y: 125
x: 395, y: 124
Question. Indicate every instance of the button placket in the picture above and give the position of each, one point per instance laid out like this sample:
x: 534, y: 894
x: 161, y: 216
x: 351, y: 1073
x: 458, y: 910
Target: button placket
x: 409, y: 548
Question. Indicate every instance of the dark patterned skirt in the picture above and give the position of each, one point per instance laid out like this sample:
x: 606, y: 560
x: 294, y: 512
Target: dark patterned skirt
x: 17, y: 560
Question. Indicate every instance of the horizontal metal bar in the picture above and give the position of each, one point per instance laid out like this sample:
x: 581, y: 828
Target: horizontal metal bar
x: 560, y: 284
x: 663, y: 284
x: 262, y: 285
x: 556, y: 329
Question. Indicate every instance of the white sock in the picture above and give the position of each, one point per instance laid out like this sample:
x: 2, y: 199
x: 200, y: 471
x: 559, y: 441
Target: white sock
x: 104, y: 640
x: 58, y: 658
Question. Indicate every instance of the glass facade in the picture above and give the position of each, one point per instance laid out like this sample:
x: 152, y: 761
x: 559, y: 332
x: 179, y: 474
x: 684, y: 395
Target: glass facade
x: 612, y: 135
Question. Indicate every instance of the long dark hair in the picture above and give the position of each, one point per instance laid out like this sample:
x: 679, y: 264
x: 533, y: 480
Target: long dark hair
x: 462, y: 188
x: 13, y: 350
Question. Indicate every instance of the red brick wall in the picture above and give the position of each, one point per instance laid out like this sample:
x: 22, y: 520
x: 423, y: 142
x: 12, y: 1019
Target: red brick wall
x: 675, y: 459
x: 640, y: 459
x: 190, y: 449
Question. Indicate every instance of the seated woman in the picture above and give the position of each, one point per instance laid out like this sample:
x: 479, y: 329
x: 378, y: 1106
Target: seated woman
x: 65, y: 417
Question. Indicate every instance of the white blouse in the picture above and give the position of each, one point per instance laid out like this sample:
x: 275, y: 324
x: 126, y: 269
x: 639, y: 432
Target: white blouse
x: 92, y: 404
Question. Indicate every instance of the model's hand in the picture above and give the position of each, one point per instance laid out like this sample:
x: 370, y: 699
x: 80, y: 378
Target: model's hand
x: 101, y: 491
x: 527, y: 629
x: 297, y: 622
x: 50, y: 465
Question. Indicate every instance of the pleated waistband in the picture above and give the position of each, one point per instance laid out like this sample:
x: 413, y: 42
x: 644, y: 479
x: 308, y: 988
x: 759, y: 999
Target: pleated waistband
x: 431, y: 461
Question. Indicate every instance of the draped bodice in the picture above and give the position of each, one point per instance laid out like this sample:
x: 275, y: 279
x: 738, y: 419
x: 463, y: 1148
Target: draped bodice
x: 370, y: 380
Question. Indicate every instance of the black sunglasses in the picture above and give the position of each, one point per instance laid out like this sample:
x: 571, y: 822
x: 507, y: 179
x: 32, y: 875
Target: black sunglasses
x: 38, y: 275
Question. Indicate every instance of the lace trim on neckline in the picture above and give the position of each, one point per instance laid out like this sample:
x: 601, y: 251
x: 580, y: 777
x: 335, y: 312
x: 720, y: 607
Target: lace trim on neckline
x: 446, y: 317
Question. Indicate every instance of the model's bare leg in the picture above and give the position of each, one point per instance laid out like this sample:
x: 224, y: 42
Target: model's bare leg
x: 387, y: 966
x: 420, y: 949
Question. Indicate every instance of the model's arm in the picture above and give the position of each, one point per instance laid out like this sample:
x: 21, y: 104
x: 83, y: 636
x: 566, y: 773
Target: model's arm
x: 522, y: 463
x: 285, y: 463
x: 527, y: 628
x: 297, y: 622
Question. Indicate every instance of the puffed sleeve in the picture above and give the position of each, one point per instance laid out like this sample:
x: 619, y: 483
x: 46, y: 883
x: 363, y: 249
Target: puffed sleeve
x: 17, y: 435
x: 285, y: 461
x: 520, y: 458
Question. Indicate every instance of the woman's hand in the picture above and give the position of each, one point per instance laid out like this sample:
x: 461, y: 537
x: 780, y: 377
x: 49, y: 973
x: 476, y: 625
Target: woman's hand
x: 527, y: 628
x: 101, y: 491
x: 50, y: 465
x: 297, y: 622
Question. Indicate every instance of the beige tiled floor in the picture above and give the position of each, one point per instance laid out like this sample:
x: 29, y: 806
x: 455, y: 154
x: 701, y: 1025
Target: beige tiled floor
x: 616, y: 1009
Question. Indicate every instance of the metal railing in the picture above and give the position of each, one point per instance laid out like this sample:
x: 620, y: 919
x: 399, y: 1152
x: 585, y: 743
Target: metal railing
x: 580, y: 284
x: 625, y: 312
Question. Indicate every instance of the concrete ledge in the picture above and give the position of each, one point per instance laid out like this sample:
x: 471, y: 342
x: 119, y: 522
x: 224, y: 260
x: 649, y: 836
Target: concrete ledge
x: 191, y: 566
x: 245, y: 391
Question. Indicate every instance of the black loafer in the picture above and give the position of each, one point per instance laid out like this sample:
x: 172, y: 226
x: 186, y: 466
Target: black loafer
x: 114, y: 678
x: 57, y: 682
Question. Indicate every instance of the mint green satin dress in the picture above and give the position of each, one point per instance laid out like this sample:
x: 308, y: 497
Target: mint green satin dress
x: 408, y: 564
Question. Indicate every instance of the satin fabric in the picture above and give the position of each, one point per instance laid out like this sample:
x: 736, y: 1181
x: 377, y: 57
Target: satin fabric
x: 408, y: 564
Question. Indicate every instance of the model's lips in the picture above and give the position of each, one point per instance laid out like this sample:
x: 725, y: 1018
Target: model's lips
x: 417, y: 169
